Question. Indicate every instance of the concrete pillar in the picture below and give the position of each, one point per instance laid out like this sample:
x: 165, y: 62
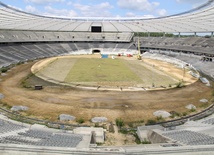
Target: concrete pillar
x: 179, y: 34
x: 195, y: 34
x: 211, y: 34
x: 148, y: 34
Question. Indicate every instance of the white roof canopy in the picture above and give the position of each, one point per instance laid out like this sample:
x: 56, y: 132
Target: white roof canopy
x: 200, y: 19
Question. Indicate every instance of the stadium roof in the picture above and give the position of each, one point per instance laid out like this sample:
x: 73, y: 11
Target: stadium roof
x: 200, y: 19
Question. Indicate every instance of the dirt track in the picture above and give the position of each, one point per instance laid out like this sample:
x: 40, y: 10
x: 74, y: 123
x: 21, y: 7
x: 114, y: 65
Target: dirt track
x: 130, y: 106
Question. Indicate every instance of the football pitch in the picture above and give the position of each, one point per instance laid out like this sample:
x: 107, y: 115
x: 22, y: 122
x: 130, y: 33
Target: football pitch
x: 93, y: 71
x: 101, y: 70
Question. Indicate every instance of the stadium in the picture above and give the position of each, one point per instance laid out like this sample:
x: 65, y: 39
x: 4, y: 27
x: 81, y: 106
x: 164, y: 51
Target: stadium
x: 106, y: 85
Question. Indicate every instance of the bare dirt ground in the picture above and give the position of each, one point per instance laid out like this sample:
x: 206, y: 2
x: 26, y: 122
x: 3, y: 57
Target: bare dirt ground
x: 130, y: 106
x: 171, y: 70
x: 52, y: 101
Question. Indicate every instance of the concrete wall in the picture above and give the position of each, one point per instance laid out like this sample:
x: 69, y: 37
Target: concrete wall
x: 154, y: 137
x: 99, y: 133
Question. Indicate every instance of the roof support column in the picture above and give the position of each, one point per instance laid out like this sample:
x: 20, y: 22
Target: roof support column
x: 212, y: 34
x: 195, y: 34
x: 148, y: 34
x: 179, y: 34
x: 164, y: 34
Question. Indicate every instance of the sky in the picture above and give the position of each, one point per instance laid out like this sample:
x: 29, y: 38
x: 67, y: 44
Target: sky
x: 104, y: 8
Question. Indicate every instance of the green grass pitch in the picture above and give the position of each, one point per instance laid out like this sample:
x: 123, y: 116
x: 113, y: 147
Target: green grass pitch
x: 101, y: 70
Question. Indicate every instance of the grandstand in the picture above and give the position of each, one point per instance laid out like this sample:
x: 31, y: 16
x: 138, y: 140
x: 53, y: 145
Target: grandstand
x: 25, y: 37
x: 190, y: 137
x: 15, y: 53
x: 21, y: 134
x: 194, y: 45
x: 17, y: 20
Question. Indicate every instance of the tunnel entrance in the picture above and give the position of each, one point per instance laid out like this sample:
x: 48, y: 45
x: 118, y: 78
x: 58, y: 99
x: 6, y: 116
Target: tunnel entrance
x: 96, y: 51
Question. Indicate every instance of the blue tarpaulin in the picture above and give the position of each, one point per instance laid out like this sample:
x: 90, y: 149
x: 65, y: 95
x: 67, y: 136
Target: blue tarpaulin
x: 104, y: 56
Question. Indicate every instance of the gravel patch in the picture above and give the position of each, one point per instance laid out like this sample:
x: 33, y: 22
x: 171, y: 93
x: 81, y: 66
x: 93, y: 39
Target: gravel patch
x: 203, y: 100
x: 190, y: 106
x: 161, y: 113
x: 65, y: 117
x: 3, y: 74
x: 1, y: 96
x: 19, y: 108
x: 99, y: 119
